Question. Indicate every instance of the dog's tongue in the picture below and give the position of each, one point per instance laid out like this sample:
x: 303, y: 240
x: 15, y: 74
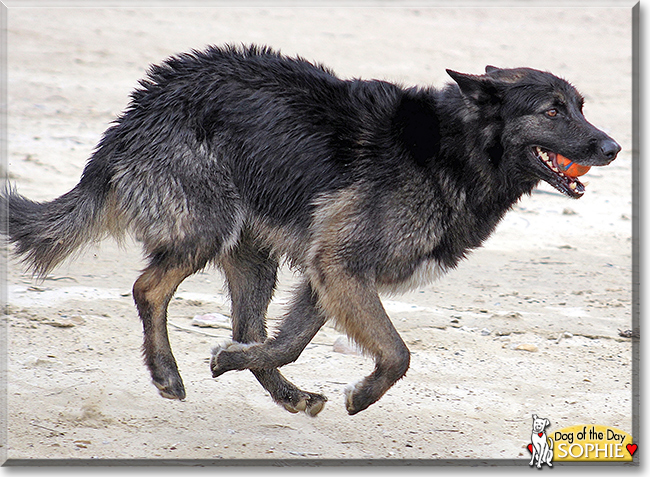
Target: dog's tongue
x: 569, y: 168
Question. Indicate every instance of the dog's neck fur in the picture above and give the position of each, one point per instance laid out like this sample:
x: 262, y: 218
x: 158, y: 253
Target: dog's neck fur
x: 481, y: 155
x: 473, y: 165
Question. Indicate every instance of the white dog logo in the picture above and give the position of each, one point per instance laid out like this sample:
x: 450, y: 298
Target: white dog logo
x: 542, y: 446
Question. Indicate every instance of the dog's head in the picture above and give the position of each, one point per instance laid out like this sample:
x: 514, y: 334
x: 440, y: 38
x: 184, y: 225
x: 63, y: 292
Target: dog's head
x: 540, y: 424
x: 542, y: 133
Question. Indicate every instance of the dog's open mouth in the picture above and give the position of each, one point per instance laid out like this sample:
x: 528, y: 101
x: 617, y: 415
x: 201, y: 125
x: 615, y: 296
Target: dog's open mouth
x: 564, y: 172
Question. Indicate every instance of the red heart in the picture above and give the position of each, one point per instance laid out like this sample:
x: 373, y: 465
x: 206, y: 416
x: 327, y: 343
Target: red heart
x: 631, y: 448
x: 530, y: 448
x: 540, y: 434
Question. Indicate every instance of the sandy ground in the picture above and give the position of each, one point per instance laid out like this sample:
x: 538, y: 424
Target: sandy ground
x: 528, y: 325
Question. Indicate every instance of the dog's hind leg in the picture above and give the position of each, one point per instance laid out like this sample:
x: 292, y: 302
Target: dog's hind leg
x: 298, y: 328
x: 251, y: 275
x: 152, y: 292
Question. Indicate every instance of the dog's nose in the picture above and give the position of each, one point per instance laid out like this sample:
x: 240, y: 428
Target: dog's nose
x: 610, y: 149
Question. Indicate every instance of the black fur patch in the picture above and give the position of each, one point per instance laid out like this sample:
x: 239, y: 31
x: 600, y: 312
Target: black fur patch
x: 417, y: 126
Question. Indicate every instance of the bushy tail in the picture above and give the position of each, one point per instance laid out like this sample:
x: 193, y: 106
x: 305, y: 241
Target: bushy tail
x: 45, y: 233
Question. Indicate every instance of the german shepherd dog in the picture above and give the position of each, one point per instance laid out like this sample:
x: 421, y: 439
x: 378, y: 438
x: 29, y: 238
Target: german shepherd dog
x: 241, y: 157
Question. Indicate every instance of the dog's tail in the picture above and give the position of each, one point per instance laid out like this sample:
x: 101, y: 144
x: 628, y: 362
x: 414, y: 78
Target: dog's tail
x: 45, y: 233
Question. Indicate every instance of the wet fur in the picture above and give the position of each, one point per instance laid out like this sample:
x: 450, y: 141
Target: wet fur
x: 241, y: 157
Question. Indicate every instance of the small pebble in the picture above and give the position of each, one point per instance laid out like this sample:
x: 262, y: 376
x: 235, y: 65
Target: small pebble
x: 211, y: 320
x: 510, y: 316
x: 66, y: 321
x: 527, y: 347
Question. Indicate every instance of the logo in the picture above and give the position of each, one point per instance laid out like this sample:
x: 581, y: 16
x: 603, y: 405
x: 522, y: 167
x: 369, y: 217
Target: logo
x: 582, y: 443
x: 541, y: 446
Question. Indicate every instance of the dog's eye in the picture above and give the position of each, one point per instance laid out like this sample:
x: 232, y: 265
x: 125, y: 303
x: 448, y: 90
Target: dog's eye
x: 551, y: 113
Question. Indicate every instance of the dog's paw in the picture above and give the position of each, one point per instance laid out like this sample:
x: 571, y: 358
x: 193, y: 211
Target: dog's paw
x: 165, y: 376
x: 309, y: 403
x: 171, y: 389
x: 224, y: 357
x: 230, y: 345
x: 350, y: 391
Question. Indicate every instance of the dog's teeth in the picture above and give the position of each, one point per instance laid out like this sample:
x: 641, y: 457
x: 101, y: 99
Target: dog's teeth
x: 572, y: 186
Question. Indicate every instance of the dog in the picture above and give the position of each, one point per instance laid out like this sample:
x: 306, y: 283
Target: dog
x: 241, y: 157
x: 542, y: 445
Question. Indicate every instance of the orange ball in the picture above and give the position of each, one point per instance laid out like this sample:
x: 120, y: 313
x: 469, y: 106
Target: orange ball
x: 569, y: 168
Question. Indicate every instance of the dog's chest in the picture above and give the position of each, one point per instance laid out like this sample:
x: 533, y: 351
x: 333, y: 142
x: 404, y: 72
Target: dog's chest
x: 404, y: 278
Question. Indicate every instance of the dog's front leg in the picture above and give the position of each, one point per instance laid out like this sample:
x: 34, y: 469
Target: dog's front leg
x: 355, y: 305
x: 540, y: 450
x: 299, y: 326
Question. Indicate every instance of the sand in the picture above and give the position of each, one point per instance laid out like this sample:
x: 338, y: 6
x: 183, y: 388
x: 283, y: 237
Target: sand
x: 529, y: 324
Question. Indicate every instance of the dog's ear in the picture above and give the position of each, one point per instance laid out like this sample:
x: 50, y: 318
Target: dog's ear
x: 534, y: 416
x: 479, y: 89
x: 507, y: 76
x: 548, y: 423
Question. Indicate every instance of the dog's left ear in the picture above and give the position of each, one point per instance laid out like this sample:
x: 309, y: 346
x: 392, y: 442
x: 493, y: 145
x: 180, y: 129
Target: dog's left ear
x: 478, y: 89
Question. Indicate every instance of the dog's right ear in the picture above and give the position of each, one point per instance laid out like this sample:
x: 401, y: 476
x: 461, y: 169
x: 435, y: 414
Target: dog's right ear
x: 478, y: 89
x: 506, y: 75
x: 534, y: 416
